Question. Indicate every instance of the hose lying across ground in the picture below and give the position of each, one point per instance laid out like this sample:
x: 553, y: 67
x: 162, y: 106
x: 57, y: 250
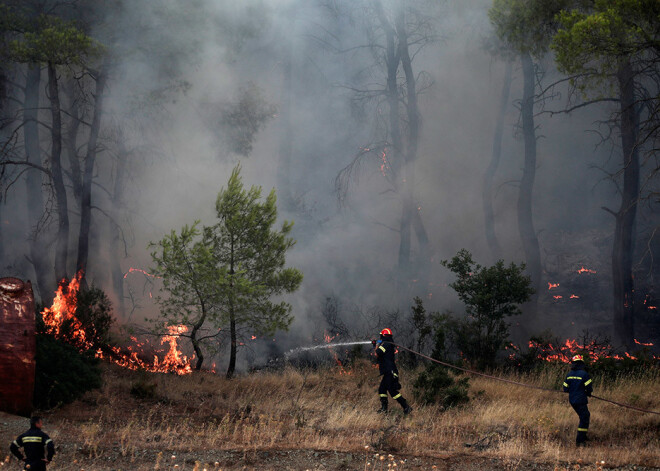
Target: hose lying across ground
x: 449, y: 365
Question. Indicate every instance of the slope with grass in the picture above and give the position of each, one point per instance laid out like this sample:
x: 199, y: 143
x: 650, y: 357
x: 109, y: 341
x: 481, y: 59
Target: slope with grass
x: 326, y: 419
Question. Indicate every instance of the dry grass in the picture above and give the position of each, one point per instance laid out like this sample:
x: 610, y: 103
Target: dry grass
x: 324, y: 410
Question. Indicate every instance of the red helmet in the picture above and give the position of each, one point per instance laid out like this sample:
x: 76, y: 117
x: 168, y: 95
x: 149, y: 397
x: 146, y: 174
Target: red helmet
x: 386, y: 332
x: 577, y: 358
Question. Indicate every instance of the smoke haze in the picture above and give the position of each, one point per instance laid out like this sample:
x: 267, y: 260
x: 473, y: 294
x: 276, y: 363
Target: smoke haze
x: 180, y: 65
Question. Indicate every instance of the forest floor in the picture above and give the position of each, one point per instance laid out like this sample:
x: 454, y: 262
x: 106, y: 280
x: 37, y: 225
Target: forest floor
x: 325, y: 419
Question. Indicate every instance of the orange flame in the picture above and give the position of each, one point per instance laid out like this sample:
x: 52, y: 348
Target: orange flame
x: 328, y: 338
x: 139, y: 270
x: 564, y: 353
x: 384, y: 166
x: 61, y: 322
x: 553, y: 285
x: 63, y: 312
x: 586, y: 270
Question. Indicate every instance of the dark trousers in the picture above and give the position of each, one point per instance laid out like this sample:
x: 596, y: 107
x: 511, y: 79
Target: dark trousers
x: 36, y: 465
x: 583, y: 413
x: 389, y: 384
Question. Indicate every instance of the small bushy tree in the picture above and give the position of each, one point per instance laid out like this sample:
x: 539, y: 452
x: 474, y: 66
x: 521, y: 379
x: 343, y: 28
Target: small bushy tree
x: 416, y: 332
x: 250, y: 256
x: 435, y: 385
x: 63, y: 373
x: 94, y: 311
x: 491, y: 294
x: 227, y: 275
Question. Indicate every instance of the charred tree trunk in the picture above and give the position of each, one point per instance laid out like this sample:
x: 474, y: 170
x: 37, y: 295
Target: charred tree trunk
x: 62, y: 245
x: 496, y: 154
x: 4, y: 91
x: 193, y: 337
x: 2, y: 237
x: 525, y: 197
x: 414, y: 125
x: 71, y: 140
x: 286, y: 136
x: 198, y: 352
x: 116, y: 240
x: 34, y: 185
x: 3, y: 137
x: 233, y: 343
x: 396, y: 153
x: 622, y: 251
x: 232, y: 319
x: 88, y: 176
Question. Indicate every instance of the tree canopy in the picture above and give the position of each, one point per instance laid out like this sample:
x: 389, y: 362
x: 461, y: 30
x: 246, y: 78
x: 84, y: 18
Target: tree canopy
x: 593, y: 39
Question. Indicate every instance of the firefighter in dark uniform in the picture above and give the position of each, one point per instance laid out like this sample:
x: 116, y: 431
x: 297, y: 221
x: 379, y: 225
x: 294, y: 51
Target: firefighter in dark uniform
x: 387, y: 367
x: 578, y: 386
x: 39, y: 448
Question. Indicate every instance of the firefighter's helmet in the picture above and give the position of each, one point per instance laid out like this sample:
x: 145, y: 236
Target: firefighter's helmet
x: 577, y: 358
x: 386, y: 332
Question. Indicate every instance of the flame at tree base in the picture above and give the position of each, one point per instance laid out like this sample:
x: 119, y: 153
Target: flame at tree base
x: 61, y: 322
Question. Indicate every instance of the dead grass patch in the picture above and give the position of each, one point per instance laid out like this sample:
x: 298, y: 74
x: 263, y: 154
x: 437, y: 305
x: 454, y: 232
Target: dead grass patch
x: 325, y: 410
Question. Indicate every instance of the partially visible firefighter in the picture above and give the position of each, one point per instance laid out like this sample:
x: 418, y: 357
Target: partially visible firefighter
x: 385, y: 349
x: 38, y: 446
x: 579, y: 388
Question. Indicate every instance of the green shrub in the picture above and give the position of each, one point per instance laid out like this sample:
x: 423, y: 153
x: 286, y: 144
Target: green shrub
x: 491, y: 295
x: 436, y: 386
x: 62, y: 373
x: 94, y: 311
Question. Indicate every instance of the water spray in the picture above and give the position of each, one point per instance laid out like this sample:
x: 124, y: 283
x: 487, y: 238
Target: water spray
x: 298, y: 350
x: 449, y: 365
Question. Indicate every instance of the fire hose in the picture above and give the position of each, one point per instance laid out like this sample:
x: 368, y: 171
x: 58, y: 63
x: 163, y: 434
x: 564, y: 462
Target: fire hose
x: 504, y: 380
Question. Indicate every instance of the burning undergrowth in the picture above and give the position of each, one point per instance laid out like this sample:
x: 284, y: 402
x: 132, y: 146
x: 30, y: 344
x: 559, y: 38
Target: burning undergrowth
x: 594, y: 349
x: 577, y: 288
x: 597, y: 351
x: 61, y: 321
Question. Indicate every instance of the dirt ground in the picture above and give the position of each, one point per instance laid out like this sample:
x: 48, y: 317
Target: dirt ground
x: 205, y: 423
x: 71, y: 456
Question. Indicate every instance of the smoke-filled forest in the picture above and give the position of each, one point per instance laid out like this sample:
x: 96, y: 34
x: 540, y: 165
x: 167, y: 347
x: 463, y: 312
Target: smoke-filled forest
x: 237, y: 218
x: 394, y: 133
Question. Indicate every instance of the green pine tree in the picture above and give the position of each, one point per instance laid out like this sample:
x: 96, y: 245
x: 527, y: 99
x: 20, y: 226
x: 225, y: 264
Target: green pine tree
x: 250, y: 255
x: 228, y: 274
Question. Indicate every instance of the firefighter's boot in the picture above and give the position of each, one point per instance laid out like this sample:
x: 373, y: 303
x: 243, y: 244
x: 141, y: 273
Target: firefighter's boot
x: 581, y: 439
x: 404, y: 404
x: 383, y: 405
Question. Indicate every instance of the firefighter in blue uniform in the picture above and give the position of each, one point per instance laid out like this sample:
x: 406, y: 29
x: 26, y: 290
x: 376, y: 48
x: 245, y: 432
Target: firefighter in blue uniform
x: 39, y: 448
x: 578, y: 386
x: 387, y: 367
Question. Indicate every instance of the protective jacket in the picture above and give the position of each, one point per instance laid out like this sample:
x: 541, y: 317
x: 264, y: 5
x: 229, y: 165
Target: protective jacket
x: 38, y: 447
x: 385, y: 356
x: 578, y: 384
